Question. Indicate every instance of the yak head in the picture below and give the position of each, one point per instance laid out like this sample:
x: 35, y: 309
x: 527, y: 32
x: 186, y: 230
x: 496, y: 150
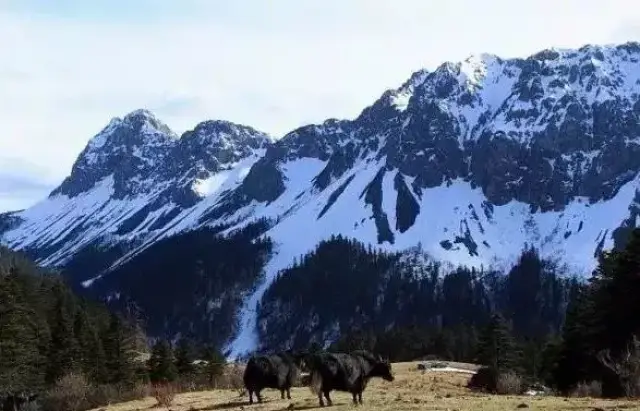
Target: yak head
x: 382, y: 368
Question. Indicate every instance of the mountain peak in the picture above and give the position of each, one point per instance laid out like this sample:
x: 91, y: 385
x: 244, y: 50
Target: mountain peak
x: 226, y: 132
x: 147, y: 123
x: 140, y: 113
x: 216, y: 143
x: 129, y: 148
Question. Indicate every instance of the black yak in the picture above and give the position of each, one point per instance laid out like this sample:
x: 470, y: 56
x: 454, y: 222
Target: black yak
x: 345, y: 372
x: 271, y: 371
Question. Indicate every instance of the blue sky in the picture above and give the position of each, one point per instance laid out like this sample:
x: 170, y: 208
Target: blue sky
x: 67, y: 67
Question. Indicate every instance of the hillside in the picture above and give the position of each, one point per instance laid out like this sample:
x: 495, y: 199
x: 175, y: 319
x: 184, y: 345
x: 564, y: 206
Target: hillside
x: 474, y: 161
x: 46, y: 331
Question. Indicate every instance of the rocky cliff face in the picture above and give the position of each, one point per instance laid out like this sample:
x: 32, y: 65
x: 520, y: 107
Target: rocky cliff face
x: 474, y: 160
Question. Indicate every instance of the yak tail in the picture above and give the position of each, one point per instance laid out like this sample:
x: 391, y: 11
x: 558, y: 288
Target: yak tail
x: 316, y: 382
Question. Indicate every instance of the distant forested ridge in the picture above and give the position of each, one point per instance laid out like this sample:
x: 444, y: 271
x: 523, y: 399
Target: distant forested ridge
x: 345, y: 286
x: 187, y: 285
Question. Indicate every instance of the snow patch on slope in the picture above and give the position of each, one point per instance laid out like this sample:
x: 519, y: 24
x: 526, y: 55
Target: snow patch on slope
x: 299, y: 232
x: 70, y: 223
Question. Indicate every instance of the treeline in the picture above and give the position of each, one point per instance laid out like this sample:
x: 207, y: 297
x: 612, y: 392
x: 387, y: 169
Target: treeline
x: 191, y: 365
x: 410, y: 304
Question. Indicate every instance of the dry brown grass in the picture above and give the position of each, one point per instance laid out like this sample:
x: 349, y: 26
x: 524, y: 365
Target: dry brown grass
x: 412, y: 390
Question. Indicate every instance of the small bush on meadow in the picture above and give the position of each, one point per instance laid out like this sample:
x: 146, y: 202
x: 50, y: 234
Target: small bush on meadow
x: 164, y: 394
x: 102, y: 395
x: 509, y: 383
x: 69, y: 394
x: 591, y: 389
x: 485, y: 380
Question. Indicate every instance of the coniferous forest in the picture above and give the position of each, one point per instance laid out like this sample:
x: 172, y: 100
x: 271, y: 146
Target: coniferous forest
x: 70, y: 351
x: 344, y: 286
x: 187, y: 285
x: 47, y: 332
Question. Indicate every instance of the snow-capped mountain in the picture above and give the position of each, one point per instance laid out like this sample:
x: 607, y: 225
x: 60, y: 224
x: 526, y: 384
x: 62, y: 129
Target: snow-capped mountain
x: 133, y: 179
x: 473, y: 160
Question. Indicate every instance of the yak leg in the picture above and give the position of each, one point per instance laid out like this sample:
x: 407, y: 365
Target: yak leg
x: 360, y: 397
x: 259, y: 396
x: 282, y: 393
x: 250, y: 396
x: 320, y: 399
x: 355, y: 394
x: 288, y: 393
x: 326, y: 395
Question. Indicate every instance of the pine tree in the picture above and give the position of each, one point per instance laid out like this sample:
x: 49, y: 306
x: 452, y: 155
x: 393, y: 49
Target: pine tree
x: 19, y: 355
x: 162, y: 367
x: 63, y: 351
x: 91, y: 352
x: 496, y: 347
x: 118, y: 353
x: 576, y: 357
x: 185, y: 354
x: 215, y: 363
x: 598, y: 319
x: 615, y: 287
x: 549, y: 359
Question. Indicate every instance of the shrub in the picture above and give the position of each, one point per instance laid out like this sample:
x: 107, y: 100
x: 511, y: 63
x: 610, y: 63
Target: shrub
x: 626, y: 366
x: 137, y: 392
x: 230, y: 378
x: 509, y: 383
x: 592, y: 389
x: 102, y: 395
x: 164, y: 394
x: 485, y: 379
x: 69, y: 394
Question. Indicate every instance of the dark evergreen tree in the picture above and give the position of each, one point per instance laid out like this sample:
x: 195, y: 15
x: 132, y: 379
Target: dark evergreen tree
x: 119, y: 355
x: 91, y: 351
x: 496, y: 347
x: 161, y: 365
x: 185, y: 355
x: 20, y: 359
x: 615, y: 290
x: 63, y: 355
x: 576, y: 358
x: 214, y: 363
x: 549, y: 358
x: 599, y: 320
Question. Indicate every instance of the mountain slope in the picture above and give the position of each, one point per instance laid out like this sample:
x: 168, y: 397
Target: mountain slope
x: 474, y: 161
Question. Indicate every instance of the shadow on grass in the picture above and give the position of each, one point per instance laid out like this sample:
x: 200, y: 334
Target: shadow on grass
x: 236, y: 404
x: 231, y: 405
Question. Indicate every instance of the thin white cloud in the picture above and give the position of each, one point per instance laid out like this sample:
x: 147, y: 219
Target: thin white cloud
x: 272, y: 65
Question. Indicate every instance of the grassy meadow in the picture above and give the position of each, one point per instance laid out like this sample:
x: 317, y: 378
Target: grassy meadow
x: 411, y: 390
